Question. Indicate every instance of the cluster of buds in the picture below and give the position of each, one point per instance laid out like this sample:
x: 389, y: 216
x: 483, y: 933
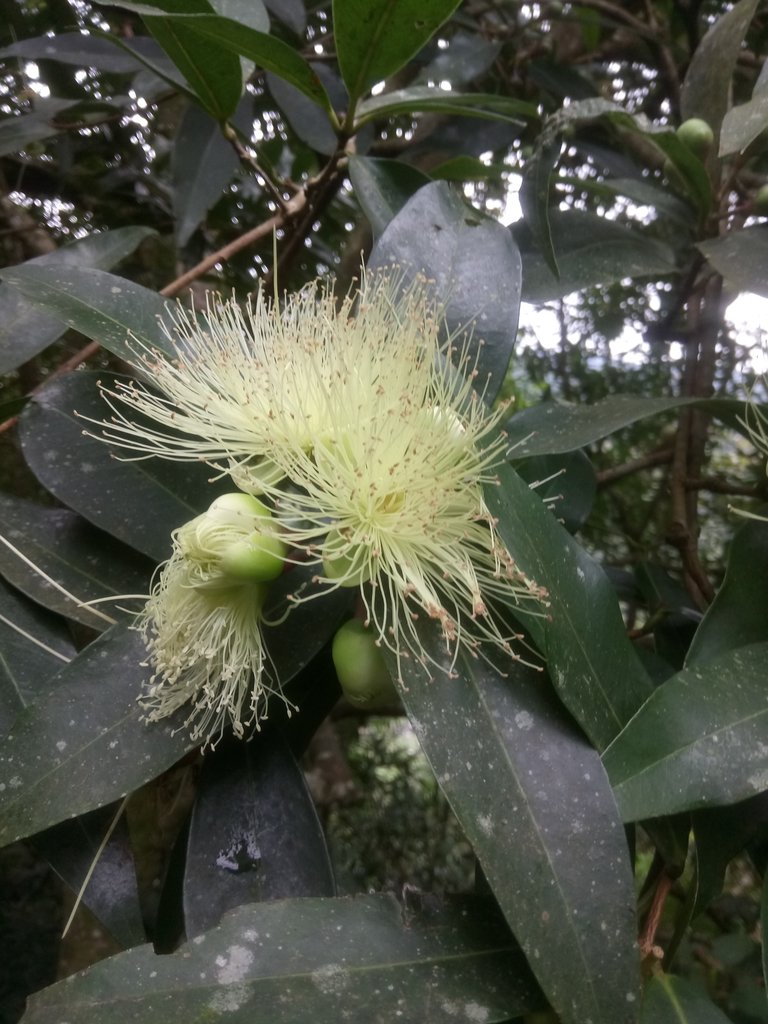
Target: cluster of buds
x: 363, y: 431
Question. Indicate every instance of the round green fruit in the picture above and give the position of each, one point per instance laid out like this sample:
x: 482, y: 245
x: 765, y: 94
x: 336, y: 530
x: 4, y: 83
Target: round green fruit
x: 760, y: 202
x: 360, y: 667
x: 697, y: 135
x: 258, y: 557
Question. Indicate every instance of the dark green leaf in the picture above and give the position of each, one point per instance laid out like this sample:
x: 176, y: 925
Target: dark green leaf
x: 383, y: 187
x: 87, y: 744
x: 88, y: 564
x: 699, y: 740
x: 670, y: 1000
x: 593, y: 666
x: 474, y: 264
x: 361, y: 959
x: 375, y: 39
x: 72, y: 847
x: 421, y: 98
x: 139, y: 502
x: 566, y: 482
x: 254, y: 833
x: 213, y: 73
x: 16, y: 133
x: 743, y: 124
x: 741, y: 257
x: 706, y: 86
x: 24, y: 330
x: 720, y: 834
x: 204, y: 162
x: 532, y: 798
x: 590, y: 250
x: 307, y: 118
x: 737, y: 616
x: 563, y: 427
x: 535, y: 194
x: 290, y: 12
x: 466, y: 56
x: 267, y: 52
x: 27, y: 662
x: 109, y: 309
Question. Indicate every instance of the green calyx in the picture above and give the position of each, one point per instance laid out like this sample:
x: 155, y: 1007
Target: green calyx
x: 360, y: 667
x: 697, y: 135
x: 344, y: 562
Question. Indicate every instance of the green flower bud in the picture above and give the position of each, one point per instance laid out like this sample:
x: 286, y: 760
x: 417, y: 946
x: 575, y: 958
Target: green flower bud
x: 360, y: 667
x: 258, y: 557
x: 237, y: 509
x: 697, y: 135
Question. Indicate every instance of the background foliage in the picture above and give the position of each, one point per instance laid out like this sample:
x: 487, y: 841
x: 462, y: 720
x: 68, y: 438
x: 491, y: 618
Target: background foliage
x: 585, y: 846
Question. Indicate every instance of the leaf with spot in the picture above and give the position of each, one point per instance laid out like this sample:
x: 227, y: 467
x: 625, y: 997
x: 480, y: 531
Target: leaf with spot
x: 62, y: 547
x: 533, y: 800
x: 24, y: 329
x: 699, y: 740
x: 86, y: 743
x: 474, y: 265
x: 139, y: 502
x: 581, y: 633
x: 364, y: 958
x: 375, y: 39
x: 27, y: 662
x: 117, y: 313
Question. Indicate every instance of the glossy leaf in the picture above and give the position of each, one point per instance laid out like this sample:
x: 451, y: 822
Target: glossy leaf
x: 87, y: 744
x: 359, y: 958
x: 139, y: 502
x: 204, y: 162
x: 267, y: 52
x: 737, y: 616
x: 72, y: 847
x: 698, y: 741
x: 88, y: 564
x: 117, y: 313
x: 308, y: 120
x: 91, y: 51
x: 254, y: 833
x: 741, y: 257
x: 475, y: 267
x: 532, y: 799
x: 670, y: 1000
x: 592, y: 664
x: 566, y: 482
x: 26, y: 666
x: 383, y: 187
x: 563, y: 427
x: 375, y: 39
x: 590, y: 250
x: 743, y: 123
x: 706, y: 86
x: 418, y: 99
x: 20, y: 131
x: 290, y: 12
x: 24, y: 329
x: 213, y: 72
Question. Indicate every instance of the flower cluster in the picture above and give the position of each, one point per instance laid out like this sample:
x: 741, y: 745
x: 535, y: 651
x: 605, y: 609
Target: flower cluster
x: 362, y: 430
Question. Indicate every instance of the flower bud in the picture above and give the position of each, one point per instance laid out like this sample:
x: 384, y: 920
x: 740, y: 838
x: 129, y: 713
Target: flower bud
x: 360, y: 667
x: 258, y: 557
x: 697, y: 135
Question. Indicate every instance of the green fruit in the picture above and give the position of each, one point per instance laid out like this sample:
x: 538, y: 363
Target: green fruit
x: 697, y: 135
x: 360, y: 667
x: 760, y: 202
x: 258, y: 557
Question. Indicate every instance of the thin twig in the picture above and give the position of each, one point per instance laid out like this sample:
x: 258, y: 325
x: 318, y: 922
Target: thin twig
x: 614, y: 473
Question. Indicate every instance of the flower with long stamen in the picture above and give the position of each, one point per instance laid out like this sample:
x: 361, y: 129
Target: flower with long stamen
x: 202, y: 622
x: 362, y: 428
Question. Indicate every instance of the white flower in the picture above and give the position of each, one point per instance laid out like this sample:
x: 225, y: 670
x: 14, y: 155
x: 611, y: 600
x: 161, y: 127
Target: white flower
x: 359, y: 426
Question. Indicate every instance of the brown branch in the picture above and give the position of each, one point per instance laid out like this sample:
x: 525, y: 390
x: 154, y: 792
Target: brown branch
x: 658, y: 458
x: 291, y: 209
x: 719, y: 486
x: 647, y: 940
